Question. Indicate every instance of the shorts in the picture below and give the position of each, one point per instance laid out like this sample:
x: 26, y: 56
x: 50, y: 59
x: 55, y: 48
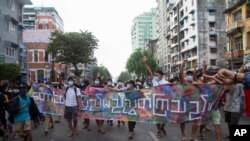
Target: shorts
x: 70, y: 112
x: 215, y: 116
x: 232, y: 118
x: 23, y: 126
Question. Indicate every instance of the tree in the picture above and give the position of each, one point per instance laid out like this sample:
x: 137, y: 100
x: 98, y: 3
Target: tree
x: 73, y: 48
x: 102, y: 72
x: 9, y: 71
x: 135, y: 62
x: 124, y: 76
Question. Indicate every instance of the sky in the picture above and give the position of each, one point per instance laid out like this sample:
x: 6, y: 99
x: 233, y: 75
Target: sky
x: 109, y: 20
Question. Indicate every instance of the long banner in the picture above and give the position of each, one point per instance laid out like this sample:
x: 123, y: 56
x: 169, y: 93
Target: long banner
x: 161, y: 104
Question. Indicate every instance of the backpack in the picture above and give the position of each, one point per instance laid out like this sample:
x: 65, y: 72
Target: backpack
x: 13, y: 107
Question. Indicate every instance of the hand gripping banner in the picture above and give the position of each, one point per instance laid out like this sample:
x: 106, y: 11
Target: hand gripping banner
x: 160, y: 104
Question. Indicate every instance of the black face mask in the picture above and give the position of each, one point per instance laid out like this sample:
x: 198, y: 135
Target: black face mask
x: 23, y: 92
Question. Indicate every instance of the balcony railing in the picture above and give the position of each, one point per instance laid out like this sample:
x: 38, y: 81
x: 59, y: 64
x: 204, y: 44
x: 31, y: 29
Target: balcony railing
x: 237, y: 54
x: 234, y: 25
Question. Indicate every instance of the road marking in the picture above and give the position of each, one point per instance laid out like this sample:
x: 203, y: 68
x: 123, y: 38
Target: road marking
x: 153, y: 136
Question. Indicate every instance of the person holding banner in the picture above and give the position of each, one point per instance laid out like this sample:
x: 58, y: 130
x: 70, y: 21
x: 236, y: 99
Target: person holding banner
x: 72, y: 106
x: 188, y: 80
x: 100, y: 123
x: 157, y: 80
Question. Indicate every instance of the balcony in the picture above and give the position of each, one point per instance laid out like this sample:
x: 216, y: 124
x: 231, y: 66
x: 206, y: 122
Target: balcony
x: 234, y: 27
x: 237, y: 55
x: 233, y: 4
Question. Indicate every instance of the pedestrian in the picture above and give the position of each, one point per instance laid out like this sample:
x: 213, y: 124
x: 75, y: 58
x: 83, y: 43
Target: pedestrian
x: 234, y: 105
x: 110, y: 85
x: 22, y: 119
x: 72, y: 106
x: 100, y: 123
x: 188, y: 80
x: 157, y: 80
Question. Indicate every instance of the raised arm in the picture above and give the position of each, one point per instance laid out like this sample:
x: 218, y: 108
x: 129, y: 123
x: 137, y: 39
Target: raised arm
x: 182, y: 79
x: 241, y: 70
x: 148, y: 68
x: 195, y: 71
x: 204, y: 68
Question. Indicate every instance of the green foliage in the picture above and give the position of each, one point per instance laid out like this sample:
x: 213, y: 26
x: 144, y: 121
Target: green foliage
x: 102, y: 72
x: 124, y: 76
x: 135, y: 62
x: 9, y: 71
x: 73, y: 48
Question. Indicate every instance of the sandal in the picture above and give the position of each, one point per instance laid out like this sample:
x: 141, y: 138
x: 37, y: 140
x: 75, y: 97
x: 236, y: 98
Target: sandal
x: 184, y: 139
x: 201, y: 137
x: 70, y: 134
x: 130, y: 135
x: 159, y: 134
x: 102, y: 131
x: 45, y: 132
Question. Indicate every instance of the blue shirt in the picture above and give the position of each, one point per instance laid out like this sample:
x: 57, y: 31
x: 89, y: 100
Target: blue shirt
x: 23, y: 114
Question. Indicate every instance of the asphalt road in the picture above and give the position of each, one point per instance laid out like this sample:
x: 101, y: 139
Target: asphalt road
x: 143, y: 132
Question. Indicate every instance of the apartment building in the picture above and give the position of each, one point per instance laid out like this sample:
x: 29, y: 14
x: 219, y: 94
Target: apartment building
x: 143, y: 29
x: 11, y: 30
x: 238, y: 31
x: 31, y: 15
x: 163, y: 33
x: 197, y: 33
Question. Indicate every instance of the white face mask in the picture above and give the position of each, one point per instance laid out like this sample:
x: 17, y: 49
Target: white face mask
x: 109, y: 83
x: 97, y: 82
x: 70, y: 83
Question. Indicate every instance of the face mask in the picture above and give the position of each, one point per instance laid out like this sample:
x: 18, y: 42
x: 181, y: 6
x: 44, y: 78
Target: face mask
x: 109, y: 83
x: 157, y: 78
x: 71, y: 83
x: 23, y: 92
x: 15, y: 90
x: 189, y: 78
x: 97, y: 82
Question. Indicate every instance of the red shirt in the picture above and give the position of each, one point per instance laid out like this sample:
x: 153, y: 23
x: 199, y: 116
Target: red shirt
x: 247, y: 100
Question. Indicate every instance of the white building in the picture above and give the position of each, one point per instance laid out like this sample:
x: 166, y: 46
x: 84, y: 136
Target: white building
x: 143, y: 29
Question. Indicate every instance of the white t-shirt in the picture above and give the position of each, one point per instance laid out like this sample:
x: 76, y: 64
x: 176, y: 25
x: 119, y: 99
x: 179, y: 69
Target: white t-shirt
x: 157, y: 82
x: 70, y: 99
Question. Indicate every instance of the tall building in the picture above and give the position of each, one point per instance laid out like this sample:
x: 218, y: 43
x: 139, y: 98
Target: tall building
x: 31, y: 16
x: 143, y: 29
x: 238, y: 31
x: 11, y: 30
x: 163, y: 56
x: 197, y: 33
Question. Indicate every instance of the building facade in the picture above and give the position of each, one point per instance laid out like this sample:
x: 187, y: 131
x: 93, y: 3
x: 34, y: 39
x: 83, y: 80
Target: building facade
x: 163, y: 31
x: 11, y: 30
x: 31, y: 15
x: 40, y: 23
x: 197, y: 33
x: 143, y: 29
x: 238, y: 31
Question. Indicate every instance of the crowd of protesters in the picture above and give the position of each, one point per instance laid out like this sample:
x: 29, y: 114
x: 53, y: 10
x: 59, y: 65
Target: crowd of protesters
x: 233, y: 102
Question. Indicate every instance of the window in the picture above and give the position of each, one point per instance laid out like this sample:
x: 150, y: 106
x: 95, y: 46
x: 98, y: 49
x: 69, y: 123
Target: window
x: 239, y: 43
x: 210, y: 1
x: 11, y: 27
x: 211, y: 24
x: 237, y: 15
x: 213, y: 50
x: 35, y: 56
x: 212, y: 62
x: 46, y: 57
x: 10, y: 51
x: 212, y: 12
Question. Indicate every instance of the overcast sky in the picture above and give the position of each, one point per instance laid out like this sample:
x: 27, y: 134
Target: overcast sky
x: 109, y: 20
